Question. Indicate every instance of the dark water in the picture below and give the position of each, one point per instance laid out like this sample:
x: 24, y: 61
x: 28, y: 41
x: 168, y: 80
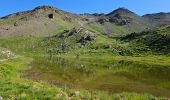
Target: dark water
x: 114, y: 77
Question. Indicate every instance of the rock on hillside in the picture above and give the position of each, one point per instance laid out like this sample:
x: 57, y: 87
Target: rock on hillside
x: 6, y: 54
x: 77, y: 37
x: 82, y: 35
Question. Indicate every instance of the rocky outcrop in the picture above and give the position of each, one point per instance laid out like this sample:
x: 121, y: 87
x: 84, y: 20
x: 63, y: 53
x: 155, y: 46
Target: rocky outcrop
x: 82, y: 35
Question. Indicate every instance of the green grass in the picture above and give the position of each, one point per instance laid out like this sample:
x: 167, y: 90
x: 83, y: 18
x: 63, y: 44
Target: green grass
x: 23, y: 45
x: 97, y: 27
x: 24, y: 88
x: 115, y: 31
x: 102, y: 43
x: 118, y: 31
x: 150, y: 42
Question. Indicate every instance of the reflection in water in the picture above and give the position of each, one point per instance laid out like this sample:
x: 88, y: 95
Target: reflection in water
x: 116, y: 76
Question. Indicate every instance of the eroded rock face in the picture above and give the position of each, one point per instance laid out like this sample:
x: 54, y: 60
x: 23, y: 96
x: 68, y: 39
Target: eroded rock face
x: 79, y: 34
x: 83, y: 35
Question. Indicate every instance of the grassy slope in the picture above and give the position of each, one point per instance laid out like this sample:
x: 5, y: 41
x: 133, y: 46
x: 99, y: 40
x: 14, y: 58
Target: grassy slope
x: 22, y: 45
x: 133, y: 44
x: 155, y: 40
x: 31, y: 46
x: 115, y: 30
x: 101, y: 45
x: 101, y: 49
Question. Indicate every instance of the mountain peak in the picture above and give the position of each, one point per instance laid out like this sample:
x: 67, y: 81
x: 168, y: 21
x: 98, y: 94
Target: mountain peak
x: 121, y: 11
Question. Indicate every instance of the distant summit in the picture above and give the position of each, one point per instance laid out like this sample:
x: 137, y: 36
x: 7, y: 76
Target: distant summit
x: 121, y: 11
x: 158, y: 18
x: 124, y: 17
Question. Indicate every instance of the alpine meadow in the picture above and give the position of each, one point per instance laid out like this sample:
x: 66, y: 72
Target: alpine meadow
x: 50, y: 54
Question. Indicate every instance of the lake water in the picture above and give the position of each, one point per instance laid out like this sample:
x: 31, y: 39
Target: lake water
x: 113, y: 77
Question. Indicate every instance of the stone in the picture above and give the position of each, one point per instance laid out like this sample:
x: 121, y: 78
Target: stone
x: 1, y: 98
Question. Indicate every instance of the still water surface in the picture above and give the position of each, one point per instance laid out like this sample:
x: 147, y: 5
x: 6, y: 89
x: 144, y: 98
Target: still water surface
x: 114, y: 77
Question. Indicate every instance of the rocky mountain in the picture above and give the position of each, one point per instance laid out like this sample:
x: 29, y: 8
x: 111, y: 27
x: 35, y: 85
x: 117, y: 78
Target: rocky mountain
x: 158, y: 19
x: 41, y: 21
x: 122, y: 16
x: 47, y: 20
x: 121, y: 22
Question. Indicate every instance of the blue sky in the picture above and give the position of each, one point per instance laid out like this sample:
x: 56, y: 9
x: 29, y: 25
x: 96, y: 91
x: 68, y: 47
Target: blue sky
x: 87, y: 6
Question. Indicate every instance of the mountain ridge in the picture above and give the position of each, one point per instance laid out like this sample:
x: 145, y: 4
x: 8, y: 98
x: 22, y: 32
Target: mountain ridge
x: 47, y: 20
x: 54, y: 8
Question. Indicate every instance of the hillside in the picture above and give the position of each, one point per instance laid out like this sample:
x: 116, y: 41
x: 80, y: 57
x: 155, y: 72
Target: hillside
x: 52, y: 30
x: 48, y: 20
x: 120, y: 22
x: 157, y: 40
x: 41, y: 21
x: 158, y: 19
